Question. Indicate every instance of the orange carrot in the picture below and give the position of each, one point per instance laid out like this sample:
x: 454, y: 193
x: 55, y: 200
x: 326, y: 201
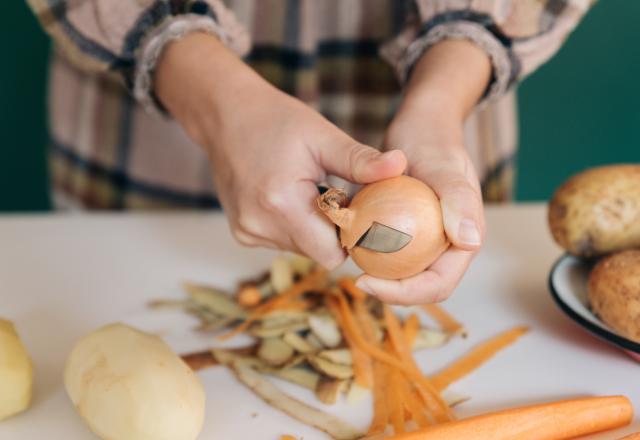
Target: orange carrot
x: 476, y: 357
x: 362, y: 369
x: 411, y: 328
x: 349, y: 286
x: 446, y: 322
x: 312, y: 280
x: 287, y: 437
x: 431, y: 396
x: 634, y: 436
x: 548, y: 421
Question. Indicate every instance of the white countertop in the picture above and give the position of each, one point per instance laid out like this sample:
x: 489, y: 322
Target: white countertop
x: 63, y: 275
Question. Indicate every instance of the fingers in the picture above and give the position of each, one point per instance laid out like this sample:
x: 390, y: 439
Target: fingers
x: 359, y: 163
x: 301, y: 224
x: 433, y: 285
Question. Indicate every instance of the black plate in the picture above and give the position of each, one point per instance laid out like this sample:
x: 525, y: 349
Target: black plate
x: 568, y: 285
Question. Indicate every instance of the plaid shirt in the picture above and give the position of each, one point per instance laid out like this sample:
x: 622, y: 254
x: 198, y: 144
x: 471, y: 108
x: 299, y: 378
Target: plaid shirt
x: 111, y: 149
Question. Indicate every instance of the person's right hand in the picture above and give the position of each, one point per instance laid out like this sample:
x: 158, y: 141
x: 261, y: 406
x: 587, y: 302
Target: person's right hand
x: 268, y: 150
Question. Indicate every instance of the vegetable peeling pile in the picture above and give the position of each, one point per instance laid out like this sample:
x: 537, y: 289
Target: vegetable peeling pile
x: 330, y: 337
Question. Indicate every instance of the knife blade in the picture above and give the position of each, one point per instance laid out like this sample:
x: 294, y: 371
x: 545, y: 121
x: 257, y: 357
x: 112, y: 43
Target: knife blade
x: 382, y: 238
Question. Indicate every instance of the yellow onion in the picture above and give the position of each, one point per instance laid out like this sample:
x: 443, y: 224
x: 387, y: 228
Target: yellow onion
x: 402, y: 203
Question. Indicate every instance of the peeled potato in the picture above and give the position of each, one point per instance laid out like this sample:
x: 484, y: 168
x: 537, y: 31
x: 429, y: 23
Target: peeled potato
x: 598, y: 211
x: 16, y: 372
x: 129, y: 385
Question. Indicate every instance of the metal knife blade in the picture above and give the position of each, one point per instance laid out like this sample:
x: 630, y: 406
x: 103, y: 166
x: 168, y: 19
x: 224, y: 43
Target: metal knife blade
x: 382, y: 238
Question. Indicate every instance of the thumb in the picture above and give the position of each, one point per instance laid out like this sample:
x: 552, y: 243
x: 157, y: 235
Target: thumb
x: 359, y: 163
x: 461, y: 212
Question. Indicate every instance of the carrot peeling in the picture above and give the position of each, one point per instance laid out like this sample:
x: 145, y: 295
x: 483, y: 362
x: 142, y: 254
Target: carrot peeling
x: 411, y: 328
x: 362, y: 367
x: 312, y: 280
x: 423, y: 383
x: 548, y: 421
x: 380, y: 418
x: 429, y: 393
x: 444, y: 319
x: 349, y: 286
x: 476, y: 357
x: 395, y: 402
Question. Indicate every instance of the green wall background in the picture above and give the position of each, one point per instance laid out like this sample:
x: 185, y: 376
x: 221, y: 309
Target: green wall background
x: 579, y: 110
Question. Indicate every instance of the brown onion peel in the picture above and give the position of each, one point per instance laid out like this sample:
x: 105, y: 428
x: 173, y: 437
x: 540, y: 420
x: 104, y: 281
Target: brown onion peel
x: 333, y: 204
x: 402, y: 203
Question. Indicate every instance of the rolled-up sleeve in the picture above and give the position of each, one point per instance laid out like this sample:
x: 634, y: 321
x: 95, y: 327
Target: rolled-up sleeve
x: 517, y: 35
x: 127, y: 38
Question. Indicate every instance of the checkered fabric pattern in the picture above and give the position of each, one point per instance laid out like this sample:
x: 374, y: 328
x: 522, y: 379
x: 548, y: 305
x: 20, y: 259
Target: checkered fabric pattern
x: 111, y: 149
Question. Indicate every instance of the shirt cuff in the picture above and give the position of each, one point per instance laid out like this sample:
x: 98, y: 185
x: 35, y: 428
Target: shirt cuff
x: 175, y: 29
x: 504, y: 66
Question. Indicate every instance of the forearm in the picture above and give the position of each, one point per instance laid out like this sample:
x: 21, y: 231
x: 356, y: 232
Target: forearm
x: 198, y: 79
x: 446, y: 83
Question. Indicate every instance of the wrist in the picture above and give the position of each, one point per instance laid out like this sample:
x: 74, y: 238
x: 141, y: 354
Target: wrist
x: 199, y: 81
x: 449, y: 78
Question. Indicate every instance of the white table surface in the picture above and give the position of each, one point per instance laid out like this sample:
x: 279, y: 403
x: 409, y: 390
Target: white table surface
x: 63, y: 275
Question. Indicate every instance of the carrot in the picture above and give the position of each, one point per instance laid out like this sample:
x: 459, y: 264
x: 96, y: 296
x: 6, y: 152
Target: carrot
x: 430, y: 395
x: 446, y: 322
x: 287, y: 437
x: 349, y: 286
x: 411, y: 328
x: 362, y: 369
x: 476, y: 357
x: 634, y: 436
x: 312, y: 280
x: 548, y: 421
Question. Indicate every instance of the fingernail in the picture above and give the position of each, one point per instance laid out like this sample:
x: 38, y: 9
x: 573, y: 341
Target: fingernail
x: 468, y: 233
x: 362, y: 285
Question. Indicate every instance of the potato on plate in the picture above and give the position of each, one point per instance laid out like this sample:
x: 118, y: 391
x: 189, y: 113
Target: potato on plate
x: 614, y: 292
x: 598, y: 211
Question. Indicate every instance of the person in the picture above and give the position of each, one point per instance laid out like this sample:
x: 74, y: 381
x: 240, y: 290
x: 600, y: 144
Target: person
x: 250, y: 104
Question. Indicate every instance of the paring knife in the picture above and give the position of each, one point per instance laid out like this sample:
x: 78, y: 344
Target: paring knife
x: 382, y: 238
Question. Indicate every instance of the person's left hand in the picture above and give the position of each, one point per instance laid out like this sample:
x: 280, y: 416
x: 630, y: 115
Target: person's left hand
x: 433, y: 144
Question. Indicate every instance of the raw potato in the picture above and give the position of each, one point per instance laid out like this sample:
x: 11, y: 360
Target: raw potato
x: 614, y: 292
x: 598, y: 211
x: 129, y: 385
x: 16, y: 372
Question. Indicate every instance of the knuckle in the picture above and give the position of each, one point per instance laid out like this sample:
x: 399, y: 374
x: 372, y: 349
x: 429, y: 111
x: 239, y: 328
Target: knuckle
x: 249, y: 224
x: 242, y: 237
x: 441, y: 294
x: 271, y: 199
x: 359, y: 153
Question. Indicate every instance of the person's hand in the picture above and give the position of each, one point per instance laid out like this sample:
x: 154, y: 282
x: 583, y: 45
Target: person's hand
x: 429, y: 129
x: 268, y: 150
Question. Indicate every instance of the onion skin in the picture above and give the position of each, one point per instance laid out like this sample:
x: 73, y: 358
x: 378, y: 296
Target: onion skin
x: 402, y: 203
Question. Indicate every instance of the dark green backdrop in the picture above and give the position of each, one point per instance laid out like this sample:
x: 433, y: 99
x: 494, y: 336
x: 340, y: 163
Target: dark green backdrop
x: 578, y: 110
